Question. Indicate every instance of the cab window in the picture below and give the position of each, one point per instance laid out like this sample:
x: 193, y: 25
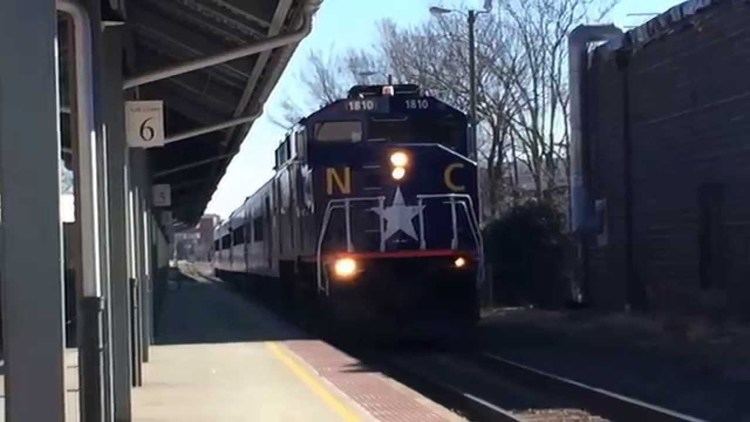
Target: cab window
x: 301, y: 140
x: 340, y: 131
x: 447, y: 131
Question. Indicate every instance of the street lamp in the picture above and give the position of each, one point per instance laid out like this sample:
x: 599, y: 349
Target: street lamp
x: 471, y: 19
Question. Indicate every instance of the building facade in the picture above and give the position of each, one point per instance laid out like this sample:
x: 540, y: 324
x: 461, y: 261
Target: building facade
x: 667, y: 153
x: 196, y: 244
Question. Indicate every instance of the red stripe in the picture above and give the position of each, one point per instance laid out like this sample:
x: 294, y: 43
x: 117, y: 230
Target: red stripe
x: 429, y: 253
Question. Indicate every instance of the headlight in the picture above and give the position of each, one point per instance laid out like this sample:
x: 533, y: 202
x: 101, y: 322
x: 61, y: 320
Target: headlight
x: 460, y: 262
x: 344, y: 267
x: 398, y: 173
x: 399, y: 159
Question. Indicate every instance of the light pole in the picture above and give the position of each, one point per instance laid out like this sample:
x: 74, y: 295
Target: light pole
x: 471, y: 19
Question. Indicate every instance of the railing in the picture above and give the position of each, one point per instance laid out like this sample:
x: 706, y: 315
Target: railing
x: 453, y: 200
x: 344, y: 204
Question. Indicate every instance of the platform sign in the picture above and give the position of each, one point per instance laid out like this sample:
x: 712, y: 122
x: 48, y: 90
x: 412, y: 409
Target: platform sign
x: 144, y: 123
x: 162, y: 195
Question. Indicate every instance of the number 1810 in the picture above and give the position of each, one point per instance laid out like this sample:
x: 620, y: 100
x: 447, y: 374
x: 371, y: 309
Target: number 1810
x: 417, y: 104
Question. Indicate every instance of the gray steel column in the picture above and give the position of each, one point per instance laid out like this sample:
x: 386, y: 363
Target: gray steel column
x: 31, y: 260
x: 105, y: 317
x: 91, y: 215
x: 138, y: 259
x: 135, y: 348
x: 117, y: 173
x: 142, y: 194
x: 148, y: 239
x: 145, y: 262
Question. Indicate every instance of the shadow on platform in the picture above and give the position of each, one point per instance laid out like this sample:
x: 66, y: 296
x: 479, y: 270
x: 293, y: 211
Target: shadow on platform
x: 202, y: 310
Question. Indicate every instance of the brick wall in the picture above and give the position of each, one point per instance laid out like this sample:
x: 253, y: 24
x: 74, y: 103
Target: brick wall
x: 688, y: 117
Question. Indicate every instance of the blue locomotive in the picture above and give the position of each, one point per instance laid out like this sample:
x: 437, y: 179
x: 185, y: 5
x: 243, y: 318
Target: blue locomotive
x: 372, y: 210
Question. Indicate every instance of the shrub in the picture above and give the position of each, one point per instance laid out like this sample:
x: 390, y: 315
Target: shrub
x: 525, y: 249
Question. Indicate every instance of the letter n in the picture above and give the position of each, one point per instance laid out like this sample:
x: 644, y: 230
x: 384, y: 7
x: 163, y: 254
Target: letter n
x: 343, y: 183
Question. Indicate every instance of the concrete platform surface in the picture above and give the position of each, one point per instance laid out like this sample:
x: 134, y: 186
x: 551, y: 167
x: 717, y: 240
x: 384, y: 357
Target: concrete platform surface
x: 223, y: 357
x: 234, y: 382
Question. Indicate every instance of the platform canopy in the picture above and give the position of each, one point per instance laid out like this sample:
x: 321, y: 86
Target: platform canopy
x: 166, y: 32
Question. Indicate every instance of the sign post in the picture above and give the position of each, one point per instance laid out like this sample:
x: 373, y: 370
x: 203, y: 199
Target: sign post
x: 144, y: 123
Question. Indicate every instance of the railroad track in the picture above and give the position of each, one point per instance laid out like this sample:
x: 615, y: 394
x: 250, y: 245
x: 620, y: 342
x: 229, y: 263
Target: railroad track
x: 487, y: 387
x: 610, y: 405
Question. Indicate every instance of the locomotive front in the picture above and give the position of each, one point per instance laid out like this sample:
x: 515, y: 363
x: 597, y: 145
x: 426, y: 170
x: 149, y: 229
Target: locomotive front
x: 395, y: 197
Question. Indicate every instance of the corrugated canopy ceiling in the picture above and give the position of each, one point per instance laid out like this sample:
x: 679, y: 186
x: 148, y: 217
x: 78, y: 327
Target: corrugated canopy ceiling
x: 166, y: 32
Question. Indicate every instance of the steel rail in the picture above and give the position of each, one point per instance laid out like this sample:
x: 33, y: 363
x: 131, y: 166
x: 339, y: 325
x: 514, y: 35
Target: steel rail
x: 212, y: 128
x: 597, y: 400
x: 476, y: 408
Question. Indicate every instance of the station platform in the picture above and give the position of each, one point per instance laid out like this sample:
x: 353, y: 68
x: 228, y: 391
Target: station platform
x: 221, y: 357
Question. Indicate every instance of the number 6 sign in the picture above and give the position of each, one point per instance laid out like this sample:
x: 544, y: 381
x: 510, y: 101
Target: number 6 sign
x: 144, y: 123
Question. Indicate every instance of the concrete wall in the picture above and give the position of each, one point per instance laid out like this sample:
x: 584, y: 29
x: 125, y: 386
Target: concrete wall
x: 683, y: 99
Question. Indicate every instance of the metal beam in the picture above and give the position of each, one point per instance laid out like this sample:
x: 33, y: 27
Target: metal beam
x: 142, y: 186
x: 192, y: 165
x: 194, y: 86
x: 212, y: 128
x: 117, y: 174
x: 182, y: 184
x: 282, y: 9
x: 233, y: 54
x: 182, y: 105
x: 278, y: 20
x: 240, y: 12
x: 206, y: 19
x: 135, y: 348
x: 86, y: 139
x: 148, y: 302
x: 178, y: 42
x: 90, y: 212
x: 31, y: 244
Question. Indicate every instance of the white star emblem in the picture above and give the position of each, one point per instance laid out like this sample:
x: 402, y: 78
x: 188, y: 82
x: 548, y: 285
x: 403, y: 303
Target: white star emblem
x: 399, y: 216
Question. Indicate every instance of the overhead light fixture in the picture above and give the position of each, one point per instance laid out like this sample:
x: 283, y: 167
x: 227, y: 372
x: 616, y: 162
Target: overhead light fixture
x: 437, y: 11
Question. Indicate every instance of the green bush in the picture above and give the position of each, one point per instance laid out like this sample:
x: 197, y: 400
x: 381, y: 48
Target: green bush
x: 526, y: 251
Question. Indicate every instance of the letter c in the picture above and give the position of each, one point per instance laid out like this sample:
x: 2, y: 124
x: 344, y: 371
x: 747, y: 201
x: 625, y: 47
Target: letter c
x: 448, y: 178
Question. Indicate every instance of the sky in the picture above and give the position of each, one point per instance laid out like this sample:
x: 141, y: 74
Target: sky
x: 338, y: 26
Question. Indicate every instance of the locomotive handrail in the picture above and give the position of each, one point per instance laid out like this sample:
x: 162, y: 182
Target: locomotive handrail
x: 455, y: 199
x: 468, y: 204
x: 478, y: 240
x: 452, y: 197
x: 319, y: 249
x: 334, y: 204
x: 440, y: 146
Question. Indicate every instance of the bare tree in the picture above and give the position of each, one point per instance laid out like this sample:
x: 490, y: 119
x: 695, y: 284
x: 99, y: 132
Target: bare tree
x: 325, y: 79
x: 435, y: 55
x: 538, y: 30
x: 522, y: 93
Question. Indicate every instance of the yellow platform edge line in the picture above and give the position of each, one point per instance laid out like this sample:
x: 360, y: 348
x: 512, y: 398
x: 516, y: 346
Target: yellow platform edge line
x: 310, y: 379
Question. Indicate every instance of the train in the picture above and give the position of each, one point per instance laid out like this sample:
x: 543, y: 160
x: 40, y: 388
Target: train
x: 372, y: 211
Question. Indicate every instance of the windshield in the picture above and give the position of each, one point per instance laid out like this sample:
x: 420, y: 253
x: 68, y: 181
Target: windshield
x: 446, y: 131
